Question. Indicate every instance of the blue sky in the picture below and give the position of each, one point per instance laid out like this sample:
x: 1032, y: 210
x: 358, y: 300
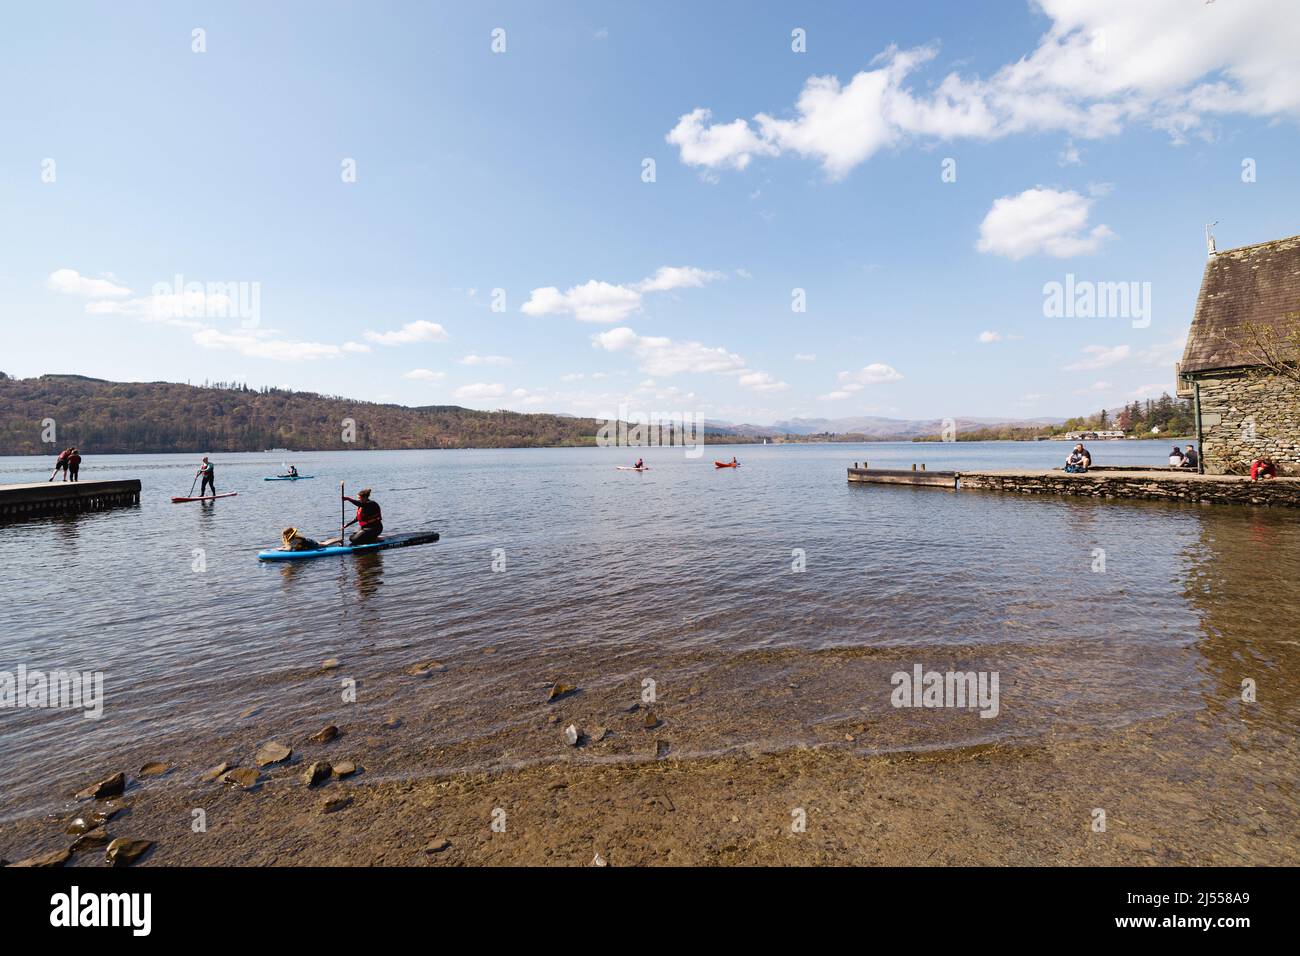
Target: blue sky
x: 1094, y: 139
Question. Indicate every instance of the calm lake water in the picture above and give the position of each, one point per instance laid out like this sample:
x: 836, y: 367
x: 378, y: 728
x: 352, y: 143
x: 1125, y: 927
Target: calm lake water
x: 682, y: 575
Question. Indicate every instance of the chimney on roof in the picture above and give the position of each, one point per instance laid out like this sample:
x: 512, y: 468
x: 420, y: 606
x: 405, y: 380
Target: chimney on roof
x: 1210, y: 251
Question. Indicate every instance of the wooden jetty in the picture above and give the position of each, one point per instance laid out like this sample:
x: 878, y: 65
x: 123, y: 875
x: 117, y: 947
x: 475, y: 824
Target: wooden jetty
x: 65, y: 497
x: 1111, y: 482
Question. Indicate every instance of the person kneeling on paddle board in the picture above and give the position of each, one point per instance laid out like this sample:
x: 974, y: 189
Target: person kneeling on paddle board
x: 206, y: 470
x: 293, y: 541
x: 639, y: 464
x: 368, y: 516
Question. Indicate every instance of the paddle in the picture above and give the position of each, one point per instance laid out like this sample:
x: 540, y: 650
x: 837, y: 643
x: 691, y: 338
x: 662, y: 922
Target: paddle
x: 342, y: 512
x: 195, y: 482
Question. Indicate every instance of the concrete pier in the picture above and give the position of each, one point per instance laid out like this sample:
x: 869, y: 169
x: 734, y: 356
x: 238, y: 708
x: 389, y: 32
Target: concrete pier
x: 1116, y: 482
x: 64, y: 497
x: 902, y: 476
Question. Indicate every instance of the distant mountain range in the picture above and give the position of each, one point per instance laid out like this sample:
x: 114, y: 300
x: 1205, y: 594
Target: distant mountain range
x: 874, y: 426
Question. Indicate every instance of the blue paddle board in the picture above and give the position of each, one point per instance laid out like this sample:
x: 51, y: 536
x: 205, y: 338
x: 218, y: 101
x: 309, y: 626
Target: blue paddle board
x: 289, y: 478
x: 393, y: 541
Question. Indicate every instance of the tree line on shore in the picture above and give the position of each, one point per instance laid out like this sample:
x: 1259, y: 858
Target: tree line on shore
x: 1172, y: 416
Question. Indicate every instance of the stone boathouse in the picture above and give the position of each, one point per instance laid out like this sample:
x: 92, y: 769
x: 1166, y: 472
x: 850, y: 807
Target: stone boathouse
x: 1241, y: 365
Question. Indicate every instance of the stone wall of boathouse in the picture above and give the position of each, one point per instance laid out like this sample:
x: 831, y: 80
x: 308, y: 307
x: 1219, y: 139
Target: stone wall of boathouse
x: 1247, y: 415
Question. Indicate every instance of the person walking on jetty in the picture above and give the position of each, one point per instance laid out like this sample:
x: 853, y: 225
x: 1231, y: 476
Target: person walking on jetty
x: 369, y: 517
x: 74, y: 464
x: 61, y: 464
x: 207, y: 473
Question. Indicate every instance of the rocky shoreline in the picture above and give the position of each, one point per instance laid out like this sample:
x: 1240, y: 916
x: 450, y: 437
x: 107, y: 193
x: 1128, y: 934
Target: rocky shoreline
x: 1026, y: 803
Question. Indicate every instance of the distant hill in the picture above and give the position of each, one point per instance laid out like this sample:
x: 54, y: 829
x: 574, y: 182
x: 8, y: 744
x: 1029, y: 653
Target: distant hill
x: 879, y: 428
x: 152, y: 417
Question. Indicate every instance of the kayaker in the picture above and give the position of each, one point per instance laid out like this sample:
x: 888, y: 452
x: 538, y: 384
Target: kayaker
x: 61, y: 465
x: 293, y: 541
x: 206, y: 470
x: 74, y: 464
x: 733, y: 460
x: 368, y: 516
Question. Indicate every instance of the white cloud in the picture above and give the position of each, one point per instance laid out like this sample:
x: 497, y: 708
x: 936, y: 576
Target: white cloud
x: 485, y: 360
x: 410, y: 333
x: 261, y: 344
x: 761, y: 382
x: 355, y: 347
x: 594, y: 301
x: 597, y: 301
x: 877, y: 373
x: 1040, y: 221
x: 424, y: 375
x: 667, y: 278
x: 479, y: 391
x: 716, y: 145
x: 72, y: 282
x: 805, y: 357
x: 988, y: 338
x: 1100, y: 66
x: 1099, y: 356
x: 661, y: 356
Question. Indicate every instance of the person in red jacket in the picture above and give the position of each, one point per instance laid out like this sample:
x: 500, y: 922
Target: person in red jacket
x: 369, y: 517
x: 1262, y: 468
x: 61, y: 464
x: 74, y: 464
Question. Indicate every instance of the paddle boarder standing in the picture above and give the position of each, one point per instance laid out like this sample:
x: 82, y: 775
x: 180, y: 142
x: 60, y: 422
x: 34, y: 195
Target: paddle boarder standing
x: 206, y: 473
x: 368, y: 516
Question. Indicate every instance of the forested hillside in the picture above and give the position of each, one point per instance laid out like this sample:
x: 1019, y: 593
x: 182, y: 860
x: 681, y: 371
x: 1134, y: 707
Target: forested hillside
x: 116, y: 417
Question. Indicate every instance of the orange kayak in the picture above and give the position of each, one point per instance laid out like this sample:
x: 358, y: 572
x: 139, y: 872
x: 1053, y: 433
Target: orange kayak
x: 726, y: 464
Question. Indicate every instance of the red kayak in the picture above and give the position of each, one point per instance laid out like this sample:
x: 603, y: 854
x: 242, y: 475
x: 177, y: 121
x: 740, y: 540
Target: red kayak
x: 228, y: 494
x: 726, y: 464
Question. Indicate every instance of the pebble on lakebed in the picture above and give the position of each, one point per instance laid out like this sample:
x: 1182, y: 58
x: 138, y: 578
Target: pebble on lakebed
x: 345, y: 768
x: 559, y: 690
x: 334, y: 804
x: 212, y: 773
x: 272, y: 753
x: 124, y: 852
x: 245, y: 778
x: 320, y: 770
x: 109, y: 787
x: 154, y: 769
x: 324, y: 735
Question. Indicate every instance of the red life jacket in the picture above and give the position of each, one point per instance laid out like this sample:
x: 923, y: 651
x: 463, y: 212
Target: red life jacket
x: 368, y: 513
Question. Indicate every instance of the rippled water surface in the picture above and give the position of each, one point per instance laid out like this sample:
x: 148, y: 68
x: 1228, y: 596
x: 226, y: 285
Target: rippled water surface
x: 682, y: 575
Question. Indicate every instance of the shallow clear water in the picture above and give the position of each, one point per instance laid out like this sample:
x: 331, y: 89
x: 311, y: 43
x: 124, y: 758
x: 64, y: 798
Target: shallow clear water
x: 681, y: 575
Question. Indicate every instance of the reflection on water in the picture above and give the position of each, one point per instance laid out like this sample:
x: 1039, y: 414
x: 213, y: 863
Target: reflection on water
x: 681, y: 574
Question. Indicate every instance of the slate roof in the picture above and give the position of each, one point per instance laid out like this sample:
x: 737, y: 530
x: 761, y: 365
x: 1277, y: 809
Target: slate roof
x: 1260, y: 284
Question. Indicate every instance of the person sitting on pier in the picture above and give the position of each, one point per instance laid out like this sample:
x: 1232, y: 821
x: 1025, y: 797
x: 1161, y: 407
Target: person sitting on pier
x: 74, y: 464
x: 1176, y: 457
x: 1190, y: 458
x: 61, y: 465
x: 293, y: 541
x: 1075, y: 464
x: 206, y: 470
x: 1262, y: 468
x: 1087, y: 455
x: 368, y: 516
